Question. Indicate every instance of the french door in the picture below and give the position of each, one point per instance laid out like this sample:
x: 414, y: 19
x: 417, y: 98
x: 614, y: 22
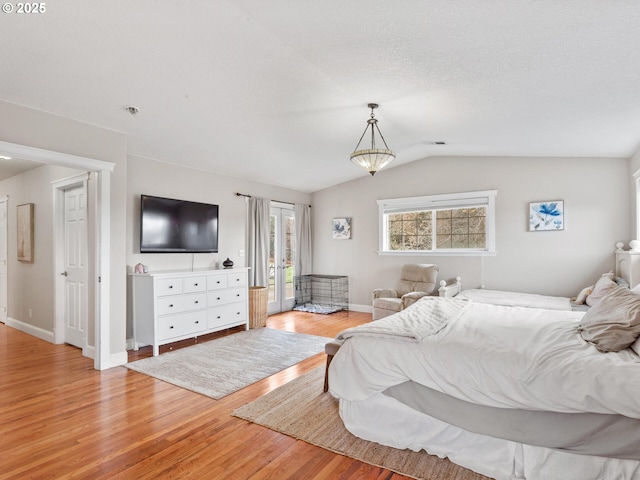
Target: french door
x: 282, y: 243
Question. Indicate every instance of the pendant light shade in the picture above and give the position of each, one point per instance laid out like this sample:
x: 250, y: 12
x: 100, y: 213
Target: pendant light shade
x: 372, y: 159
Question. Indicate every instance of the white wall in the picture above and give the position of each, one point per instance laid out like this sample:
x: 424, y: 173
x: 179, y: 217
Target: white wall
x: 33, y: 128
x: 596, y: 194
x: 146, y: 176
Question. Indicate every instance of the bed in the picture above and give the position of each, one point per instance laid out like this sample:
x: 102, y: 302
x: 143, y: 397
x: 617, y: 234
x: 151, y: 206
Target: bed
x: 511, y: 392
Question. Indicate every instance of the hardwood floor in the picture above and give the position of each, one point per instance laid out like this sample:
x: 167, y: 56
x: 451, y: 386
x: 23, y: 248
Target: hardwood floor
x: 60, y: 418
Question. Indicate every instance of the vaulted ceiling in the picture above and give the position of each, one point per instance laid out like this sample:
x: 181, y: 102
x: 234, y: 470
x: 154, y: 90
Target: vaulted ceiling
x: 277, y: 91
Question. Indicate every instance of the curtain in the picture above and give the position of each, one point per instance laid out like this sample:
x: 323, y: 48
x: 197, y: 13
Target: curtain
x: 258, y: 241
x: 303, y: 240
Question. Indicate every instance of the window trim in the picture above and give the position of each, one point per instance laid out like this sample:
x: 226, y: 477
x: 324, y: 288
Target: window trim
x: 443, y: 201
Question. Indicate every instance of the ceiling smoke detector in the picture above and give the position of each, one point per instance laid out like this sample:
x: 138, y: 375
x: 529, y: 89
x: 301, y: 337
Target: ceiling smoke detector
x: 133, y: 110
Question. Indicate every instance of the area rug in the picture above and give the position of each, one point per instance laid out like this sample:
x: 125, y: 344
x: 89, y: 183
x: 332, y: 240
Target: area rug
x: 301, y: 410
x: 219, y: 367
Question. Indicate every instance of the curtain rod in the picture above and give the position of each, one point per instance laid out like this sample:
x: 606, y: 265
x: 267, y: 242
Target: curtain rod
x: 238, y: 194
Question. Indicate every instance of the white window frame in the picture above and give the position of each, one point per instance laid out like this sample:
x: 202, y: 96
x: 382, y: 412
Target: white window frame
x: 485, y: 198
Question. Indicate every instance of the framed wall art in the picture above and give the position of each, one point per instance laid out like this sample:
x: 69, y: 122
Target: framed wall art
x: 546, y: 216
x: 341, y: 228
x: 25, y: 232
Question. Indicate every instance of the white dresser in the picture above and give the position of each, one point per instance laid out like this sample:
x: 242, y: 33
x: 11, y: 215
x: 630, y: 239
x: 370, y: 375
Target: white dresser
x: 172, y: 306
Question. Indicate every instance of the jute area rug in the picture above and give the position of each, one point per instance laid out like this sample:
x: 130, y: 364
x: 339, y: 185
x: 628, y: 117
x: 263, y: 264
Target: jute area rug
x: 301, y: 410
x: 219, y: 367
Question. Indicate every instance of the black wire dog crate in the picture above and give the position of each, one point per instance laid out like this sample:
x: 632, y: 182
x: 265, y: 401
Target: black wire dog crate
x: 321, y: 293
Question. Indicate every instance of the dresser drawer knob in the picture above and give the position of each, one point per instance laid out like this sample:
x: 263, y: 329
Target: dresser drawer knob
x: 196, y: 301
x: 171, y: 305
x: 170, y: 327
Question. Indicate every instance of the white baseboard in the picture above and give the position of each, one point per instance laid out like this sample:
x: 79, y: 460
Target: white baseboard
x: 89, y: 351
x: 361, y: 308
x: 30, y: 329
x: 117, y: 360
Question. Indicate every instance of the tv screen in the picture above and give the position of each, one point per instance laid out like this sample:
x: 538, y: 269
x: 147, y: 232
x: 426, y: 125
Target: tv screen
x: 177, y: 226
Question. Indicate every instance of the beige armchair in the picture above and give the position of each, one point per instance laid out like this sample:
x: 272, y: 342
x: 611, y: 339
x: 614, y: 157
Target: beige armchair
x: 416, y: 281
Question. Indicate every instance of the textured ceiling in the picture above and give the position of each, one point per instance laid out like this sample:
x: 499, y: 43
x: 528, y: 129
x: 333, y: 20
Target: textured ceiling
x: 276, y: 91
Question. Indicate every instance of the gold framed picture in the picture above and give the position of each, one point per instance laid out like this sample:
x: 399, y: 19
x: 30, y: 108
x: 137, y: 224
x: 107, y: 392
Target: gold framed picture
x: 25, y: 232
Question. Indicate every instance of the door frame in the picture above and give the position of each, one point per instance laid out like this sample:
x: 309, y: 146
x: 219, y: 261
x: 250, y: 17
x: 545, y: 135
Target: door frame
x: 281, y: 304
x: 102, y: 269
x: 5, y: 199
x: 59, y: 189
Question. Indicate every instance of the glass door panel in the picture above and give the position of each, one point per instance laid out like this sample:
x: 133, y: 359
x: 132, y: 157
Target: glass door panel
x: 282, y: 243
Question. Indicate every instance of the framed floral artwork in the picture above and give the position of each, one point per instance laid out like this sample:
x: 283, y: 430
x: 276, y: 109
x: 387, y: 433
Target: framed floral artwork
x: 546, y: 216
x: 341, y: 228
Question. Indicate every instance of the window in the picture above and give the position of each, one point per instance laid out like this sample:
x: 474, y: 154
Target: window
x: 451, y: 224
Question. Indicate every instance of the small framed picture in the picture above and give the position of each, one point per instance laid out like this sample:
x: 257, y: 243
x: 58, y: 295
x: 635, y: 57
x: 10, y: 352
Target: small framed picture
x: 342, y: 228
x: 546, y: 216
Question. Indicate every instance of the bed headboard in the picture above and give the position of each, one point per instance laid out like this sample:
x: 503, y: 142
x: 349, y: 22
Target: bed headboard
x: 628, y: 262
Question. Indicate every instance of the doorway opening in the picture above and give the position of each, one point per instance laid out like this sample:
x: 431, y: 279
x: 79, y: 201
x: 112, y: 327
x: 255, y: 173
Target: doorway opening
x: 100, y: 283
x: 282, y: 247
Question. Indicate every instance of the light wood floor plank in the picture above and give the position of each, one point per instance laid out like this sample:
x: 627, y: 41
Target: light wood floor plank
x: 60, y: 418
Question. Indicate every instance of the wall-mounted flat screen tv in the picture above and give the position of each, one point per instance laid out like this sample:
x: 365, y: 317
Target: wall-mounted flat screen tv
x: 177, y: 226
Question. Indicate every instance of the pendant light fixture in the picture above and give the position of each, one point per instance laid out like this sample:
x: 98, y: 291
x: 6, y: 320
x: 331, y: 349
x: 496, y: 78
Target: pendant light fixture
x: 372, y: 159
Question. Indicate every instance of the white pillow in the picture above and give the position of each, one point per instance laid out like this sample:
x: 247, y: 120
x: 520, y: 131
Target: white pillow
x: 635, y: 346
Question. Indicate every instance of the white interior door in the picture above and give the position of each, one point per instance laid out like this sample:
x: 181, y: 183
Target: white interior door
x: 75, y: 266
x: 3, y: 259
x: 281, y: 259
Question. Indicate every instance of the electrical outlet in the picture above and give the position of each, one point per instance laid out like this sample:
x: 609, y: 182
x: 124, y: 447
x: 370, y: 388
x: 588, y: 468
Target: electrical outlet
x: 30, y: 313
x: 241, y: 253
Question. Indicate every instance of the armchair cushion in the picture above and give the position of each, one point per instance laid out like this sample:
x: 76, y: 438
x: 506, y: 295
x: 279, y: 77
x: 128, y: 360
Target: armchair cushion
x: 385, y: 293
x: 417, y: 278
x: 411, y: 298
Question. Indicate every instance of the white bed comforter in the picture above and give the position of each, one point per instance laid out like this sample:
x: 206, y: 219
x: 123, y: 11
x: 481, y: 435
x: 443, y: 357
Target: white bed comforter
x: 510, y: 357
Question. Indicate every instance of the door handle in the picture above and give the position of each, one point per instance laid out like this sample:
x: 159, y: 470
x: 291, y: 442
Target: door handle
x: 64, y: 274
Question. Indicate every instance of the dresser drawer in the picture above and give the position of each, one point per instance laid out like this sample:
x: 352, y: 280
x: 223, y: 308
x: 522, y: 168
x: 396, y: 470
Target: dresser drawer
x: 182, y: 303
x: 229, y: 295
x: 215, y: 282
x: 231, y: 313
x: 172, y: 326
x: 194, y: 284
x: 238, y: 279
x: 169, y: 286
